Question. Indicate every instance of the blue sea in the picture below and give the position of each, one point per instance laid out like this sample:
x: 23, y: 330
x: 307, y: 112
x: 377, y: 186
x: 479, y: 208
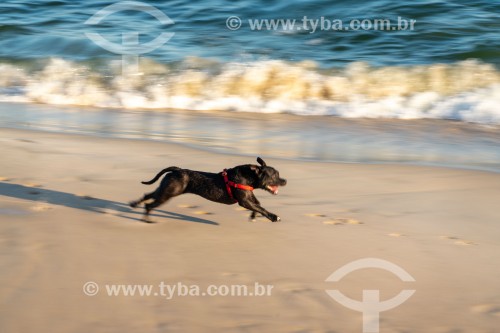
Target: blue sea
x: 308, y: 59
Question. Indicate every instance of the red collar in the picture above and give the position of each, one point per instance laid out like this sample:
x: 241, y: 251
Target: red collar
x: 230, y: 184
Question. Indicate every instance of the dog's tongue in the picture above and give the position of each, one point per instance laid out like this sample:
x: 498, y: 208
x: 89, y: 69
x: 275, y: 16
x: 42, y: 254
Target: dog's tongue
x: 274, y: 189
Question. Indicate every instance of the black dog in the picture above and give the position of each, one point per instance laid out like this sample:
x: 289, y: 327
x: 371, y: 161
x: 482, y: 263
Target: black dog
x: 228, y: 187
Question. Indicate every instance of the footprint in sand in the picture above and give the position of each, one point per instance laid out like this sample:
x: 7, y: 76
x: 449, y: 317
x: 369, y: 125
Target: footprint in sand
x: 187, y: 206
x: 202, y: 212
x: 458, y: 241
x: 198, y: 212
x: 335, y: 221
x: 41, y: 208
x: 464, y: 242
x: 447, y: 237
x: 5, y: 179
x: 488, y: 309
x: 32, y: 185
x: 315, y: 215
x: 342, y: 221
x: 395, y: 234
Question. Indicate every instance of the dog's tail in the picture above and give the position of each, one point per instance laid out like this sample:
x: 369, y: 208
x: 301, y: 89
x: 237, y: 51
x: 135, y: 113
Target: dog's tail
x: 172, y: 168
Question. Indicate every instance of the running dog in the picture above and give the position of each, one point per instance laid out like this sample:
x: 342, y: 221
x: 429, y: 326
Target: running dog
x: 228, y: 187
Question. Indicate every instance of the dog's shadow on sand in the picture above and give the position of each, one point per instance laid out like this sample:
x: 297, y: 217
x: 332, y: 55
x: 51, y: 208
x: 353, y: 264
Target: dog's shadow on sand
x: 92, y: 204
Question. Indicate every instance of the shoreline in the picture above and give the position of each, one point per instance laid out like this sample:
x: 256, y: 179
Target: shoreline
x: 195, y: 148
x: 308, y: 138
x: 65, y: 221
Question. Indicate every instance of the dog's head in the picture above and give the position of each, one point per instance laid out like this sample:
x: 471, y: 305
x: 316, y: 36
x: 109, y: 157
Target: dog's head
x: 268, y: 177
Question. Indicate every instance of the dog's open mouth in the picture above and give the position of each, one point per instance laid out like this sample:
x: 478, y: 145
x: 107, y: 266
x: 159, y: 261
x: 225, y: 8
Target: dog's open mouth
x: 272, y: 188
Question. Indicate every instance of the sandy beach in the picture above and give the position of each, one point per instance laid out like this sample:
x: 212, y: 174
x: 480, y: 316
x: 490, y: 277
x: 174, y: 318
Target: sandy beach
x: 382, y: 116
x: 65, y: 222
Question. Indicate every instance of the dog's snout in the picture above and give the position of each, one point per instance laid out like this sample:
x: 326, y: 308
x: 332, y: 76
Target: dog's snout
x: 282, y: 181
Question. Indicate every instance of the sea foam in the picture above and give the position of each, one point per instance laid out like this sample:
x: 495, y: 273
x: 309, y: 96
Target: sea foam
x: 466, y: 91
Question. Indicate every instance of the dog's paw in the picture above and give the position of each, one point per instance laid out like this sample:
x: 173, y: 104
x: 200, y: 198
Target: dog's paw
x: 275, y: 218
x: 133, y: 204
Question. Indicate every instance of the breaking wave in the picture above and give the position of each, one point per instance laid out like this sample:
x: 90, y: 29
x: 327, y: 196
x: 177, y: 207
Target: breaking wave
x: 466, y: 91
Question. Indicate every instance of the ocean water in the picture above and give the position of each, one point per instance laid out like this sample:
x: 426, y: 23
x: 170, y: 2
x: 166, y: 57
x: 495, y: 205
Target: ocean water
x: 293, y: 88
x: 447, y: 67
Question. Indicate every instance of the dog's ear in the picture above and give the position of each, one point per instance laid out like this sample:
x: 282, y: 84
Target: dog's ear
x: 255, y: 168
x: 261, y: 161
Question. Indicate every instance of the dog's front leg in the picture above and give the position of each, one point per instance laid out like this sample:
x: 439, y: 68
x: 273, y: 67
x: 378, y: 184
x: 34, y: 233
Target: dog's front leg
x: 254, y: 205
x: 253, y: 216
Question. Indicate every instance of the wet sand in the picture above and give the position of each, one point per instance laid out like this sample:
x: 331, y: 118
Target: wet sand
x: 65, y: 222
x: 319, y: 138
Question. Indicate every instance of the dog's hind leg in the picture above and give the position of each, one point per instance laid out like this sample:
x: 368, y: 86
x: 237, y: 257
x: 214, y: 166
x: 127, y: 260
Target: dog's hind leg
x: 150, y: 206
x: 169, y: 188
x: 146, y: 197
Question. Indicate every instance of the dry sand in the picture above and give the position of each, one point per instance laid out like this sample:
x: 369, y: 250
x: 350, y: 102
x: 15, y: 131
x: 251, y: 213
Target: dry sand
x: 64, y: 222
